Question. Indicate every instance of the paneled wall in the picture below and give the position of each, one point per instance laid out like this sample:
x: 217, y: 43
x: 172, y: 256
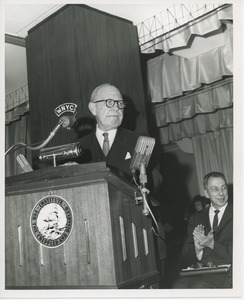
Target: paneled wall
x: 72, y: 52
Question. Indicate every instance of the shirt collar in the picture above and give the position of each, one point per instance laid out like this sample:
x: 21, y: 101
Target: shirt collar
x: 111, y: 133
x: 221, y: 209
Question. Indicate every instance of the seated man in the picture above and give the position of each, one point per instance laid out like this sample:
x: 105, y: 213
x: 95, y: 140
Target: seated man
x: 108, y: 141
x: 210, y: 237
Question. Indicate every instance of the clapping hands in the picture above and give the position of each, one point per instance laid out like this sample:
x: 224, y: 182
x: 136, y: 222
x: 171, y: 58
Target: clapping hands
x: 201, y: 240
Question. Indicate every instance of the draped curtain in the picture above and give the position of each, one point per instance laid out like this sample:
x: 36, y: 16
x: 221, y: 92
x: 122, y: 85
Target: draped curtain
x: 17, y: 128
x: 214, y: 152
x: 192, y: 94
x: 205, y: 111
x: 16, y: 131
x: 169, y: 76
x: 180, y: 37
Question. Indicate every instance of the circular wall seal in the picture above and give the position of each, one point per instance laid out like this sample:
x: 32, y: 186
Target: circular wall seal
x: 51, y: 221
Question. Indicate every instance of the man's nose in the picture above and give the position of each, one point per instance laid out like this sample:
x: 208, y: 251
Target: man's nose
x: 221, y: 191
x: 116, y: 106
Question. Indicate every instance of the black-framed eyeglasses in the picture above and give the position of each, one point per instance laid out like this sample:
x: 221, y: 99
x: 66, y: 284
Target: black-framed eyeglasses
x: 110, y: 103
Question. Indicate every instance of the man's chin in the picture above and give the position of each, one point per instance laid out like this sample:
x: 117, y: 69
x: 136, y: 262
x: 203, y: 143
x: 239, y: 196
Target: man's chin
x: 114, y: 125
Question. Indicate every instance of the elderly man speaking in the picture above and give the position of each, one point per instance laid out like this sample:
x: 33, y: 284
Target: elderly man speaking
x: 111, y: 143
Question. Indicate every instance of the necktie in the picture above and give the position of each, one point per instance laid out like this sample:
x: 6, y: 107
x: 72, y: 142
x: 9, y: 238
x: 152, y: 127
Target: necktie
x: 105, y: 144
x: 215, y: 220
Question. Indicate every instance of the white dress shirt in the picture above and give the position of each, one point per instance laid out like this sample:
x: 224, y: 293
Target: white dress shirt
x: 220, y: 214
x: 100, y: 137
x: 211, y: 217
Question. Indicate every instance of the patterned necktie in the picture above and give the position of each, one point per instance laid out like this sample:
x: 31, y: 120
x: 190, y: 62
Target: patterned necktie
x: 215, y: 220
x: 105, y: 144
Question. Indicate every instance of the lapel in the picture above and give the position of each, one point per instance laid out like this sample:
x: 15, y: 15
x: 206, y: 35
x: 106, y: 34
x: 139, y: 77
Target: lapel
x: 207, y: 221
x: 97, y: 152
x: 227, y: 216
x: 118, y: 146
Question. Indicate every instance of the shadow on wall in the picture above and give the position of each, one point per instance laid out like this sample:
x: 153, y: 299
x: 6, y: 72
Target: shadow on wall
x: 175, y: 209
x: 130, y: 114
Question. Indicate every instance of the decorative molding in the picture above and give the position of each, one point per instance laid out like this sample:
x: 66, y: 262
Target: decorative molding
x: 15, y: 40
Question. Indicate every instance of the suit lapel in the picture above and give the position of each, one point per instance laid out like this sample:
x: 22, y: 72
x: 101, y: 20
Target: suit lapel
x: 95, y: 147
x: 207, y: 221
x: 226, y: 217
x: 117, y: 146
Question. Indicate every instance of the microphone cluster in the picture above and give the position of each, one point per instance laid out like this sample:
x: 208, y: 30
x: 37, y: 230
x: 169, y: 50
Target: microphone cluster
x: 61, y: 152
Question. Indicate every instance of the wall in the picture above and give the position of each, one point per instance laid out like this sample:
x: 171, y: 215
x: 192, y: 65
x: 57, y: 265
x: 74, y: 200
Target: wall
x: 180, y: 181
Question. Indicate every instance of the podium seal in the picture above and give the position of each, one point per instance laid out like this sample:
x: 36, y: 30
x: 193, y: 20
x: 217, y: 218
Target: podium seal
x: 51, y: 221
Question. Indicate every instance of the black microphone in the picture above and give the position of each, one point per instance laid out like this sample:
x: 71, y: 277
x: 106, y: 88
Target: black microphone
x: 61, y: 152
x: 141, y: 156
x: 67, y: 121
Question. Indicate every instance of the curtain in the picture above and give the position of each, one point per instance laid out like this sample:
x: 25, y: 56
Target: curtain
x: 170, y: 76
x: 17, y: 128
x: 213, y: 151
x: 16, y: 131
x: 181, y: 36
x: 207, y: 100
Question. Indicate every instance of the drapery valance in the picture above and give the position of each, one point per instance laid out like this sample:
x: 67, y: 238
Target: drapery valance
x: 181, y: 36
x: 200, y: 124
x: 207, y: 100
x: 170, y: 75
x: 16, y: 104
x: 17, y: 112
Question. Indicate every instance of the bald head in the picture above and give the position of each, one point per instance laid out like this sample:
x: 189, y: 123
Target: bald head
x: 103, y: 91
x: 107, y: 117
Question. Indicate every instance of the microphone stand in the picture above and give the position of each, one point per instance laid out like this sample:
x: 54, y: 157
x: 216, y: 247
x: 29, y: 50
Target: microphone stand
x: 143, y: 188
x: 51, y: 135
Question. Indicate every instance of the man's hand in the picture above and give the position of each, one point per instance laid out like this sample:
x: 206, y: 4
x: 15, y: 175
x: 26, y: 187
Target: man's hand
x: 199, y: 230
x: 201, y: 240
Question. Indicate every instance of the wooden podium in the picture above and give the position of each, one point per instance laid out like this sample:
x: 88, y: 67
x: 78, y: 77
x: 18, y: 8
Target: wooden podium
x: 110, y: 244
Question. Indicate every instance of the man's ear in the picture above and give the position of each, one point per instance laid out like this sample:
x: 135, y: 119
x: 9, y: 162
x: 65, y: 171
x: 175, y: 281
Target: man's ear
x: 206, y: 193
x: 92, y: 107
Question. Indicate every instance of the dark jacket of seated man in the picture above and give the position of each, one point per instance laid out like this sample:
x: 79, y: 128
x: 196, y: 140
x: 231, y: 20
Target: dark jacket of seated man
x: 206, y: 246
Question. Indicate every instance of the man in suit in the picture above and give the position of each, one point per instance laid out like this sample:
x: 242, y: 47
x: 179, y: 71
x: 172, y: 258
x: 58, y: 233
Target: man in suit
x: 210, y: 237
x: 107, y: 106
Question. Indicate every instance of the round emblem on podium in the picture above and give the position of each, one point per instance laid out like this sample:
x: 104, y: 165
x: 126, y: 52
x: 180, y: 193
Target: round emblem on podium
x: 51, y: 221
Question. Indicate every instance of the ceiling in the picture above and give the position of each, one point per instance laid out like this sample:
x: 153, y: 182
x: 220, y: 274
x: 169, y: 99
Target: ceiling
x: 19, y: 18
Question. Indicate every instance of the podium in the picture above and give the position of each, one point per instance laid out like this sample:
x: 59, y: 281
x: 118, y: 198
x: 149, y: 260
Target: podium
x: 100, y: 241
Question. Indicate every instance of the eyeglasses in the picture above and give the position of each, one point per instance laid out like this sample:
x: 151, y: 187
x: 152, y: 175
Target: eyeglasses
x: 110, y: 103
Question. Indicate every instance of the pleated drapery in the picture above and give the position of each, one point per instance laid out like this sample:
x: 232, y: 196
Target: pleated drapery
x: 170, y: 76
x: 192, y: 96
x: 205, y: 111
x: 15, y: 132
x: 214, y: 152
x: 181, y: 36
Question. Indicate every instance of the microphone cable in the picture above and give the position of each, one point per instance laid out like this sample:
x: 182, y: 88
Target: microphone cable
x: 157, y: 231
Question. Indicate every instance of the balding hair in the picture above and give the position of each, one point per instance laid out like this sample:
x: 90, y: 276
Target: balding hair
x: 98, y: 88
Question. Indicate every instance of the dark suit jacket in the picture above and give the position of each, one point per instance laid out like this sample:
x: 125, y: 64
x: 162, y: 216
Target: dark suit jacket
x: 222, y: 252
x: 123, y: 145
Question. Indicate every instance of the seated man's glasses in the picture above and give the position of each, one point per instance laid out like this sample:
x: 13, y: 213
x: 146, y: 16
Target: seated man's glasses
x: 110, y: 103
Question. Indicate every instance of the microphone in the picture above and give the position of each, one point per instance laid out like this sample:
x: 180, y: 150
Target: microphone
x: 66, y: 112
x: 61, y: 152
x: 142, y: 152
x: 67, y: 121
x: 23, y: 163
x: 141, y: 156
